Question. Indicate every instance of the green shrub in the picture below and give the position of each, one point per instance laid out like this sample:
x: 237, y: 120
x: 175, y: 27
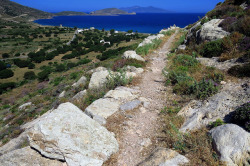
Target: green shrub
x: 6, y: 86
x: 30, y: 75
x: 240, y: 71
x: 144, y: 50
x: 203, y: 89
x: 185, y: 60
x: 118, y: 79
x: 57, y: 80
x: 179, y: 42
x: 2, y: 65
x: 241, y: 116
x: 168, y: 33
x: 5, y: 55
x: 6, y: 73
x: 217, y: 123
x: 43, y: 75
x: 212, y: 49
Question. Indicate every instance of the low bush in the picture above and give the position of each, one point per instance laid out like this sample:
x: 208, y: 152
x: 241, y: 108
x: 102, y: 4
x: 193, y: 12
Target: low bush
x: 118, y: 79
x: 5, y: 86
x: 203, y: 89
x: 127, y: 62
x: 212, y: 49
x: 144, y: 50
x: 30, y: 75
x: 168, y: 33
x: 240, y: 71
x: 241, y: 116
x: 229, y: 24
x: 2, y: 65
x: 21, y: 63
x: 6, y: 73
x: 185, y: 60
x: 43, y: 75
x: 217, y: 123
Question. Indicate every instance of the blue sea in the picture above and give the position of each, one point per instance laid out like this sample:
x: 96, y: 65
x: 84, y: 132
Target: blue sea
x: 144, y: 23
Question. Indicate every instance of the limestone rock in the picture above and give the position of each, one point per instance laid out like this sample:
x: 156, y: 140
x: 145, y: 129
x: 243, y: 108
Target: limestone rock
x: 213, y: 62
x: 122, y: 95
x: 134, y: 69
x: 69, y: 135
x: 98, y: 79
x: 24, y: 106
x: 62, y: 94
x: 80, y: 95
x: 130, y: 105
x: 150, y: 39
x: 81, y: 82
x: 26, y: 157
x: 103, y: 107
x: 201, y: 113
x: 232, y: 143
x: 97, y: 70
x: 211, y: 31
x: 132, y: 55
x: 182, y: 47
x: 164, y: 157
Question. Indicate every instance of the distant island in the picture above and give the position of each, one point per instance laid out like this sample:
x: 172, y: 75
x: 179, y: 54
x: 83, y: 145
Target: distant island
x: 110, y: 11
x: 149, y: 9
x: 70, y: 13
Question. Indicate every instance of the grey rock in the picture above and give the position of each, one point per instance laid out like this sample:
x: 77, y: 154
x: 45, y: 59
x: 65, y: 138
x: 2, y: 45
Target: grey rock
x: 26, y: 157
x: 211, y: 31
x: 62, y: 94
x: 98, y: 79
x: 201, y: 113
x: 80, y: 95
x: 130, y: 105
x: 164, y: 157
x: 97, y: 70
x: 232, y: 143
x: 100, y: 119
x: 104, y: 107
x: 182, y: 47
x: 69, y: 135
x: 123, y: 95
x: 132, y: 55
x: 24, y: 106
x: 213, y: 62
x: 81, y: 82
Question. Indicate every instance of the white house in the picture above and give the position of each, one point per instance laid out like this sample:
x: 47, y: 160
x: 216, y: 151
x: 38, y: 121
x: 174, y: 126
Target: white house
x: 92, y: 28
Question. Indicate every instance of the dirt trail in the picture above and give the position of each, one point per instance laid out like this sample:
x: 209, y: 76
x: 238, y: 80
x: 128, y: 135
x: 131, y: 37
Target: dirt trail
x: 139, y: 131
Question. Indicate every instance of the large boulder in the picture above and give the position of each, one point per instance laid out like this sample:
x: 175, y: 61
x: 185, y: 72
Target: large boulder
x: 164, y: 157
x: 103, y: 107
x: 68, y: 134
x: 232, y: 143
x: 132, y: 55
x: 81, y: 82
x: 111, y: 102
x: 198, y: 114
x: 98, y: 79
x: 80, y: 95
x: 211, y: 31
x: 26, y: 157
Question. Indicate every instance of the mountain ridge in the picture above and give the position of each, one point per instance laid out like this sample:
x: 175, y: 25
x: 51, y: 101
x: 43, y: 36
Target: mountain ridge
x: 149, y: 9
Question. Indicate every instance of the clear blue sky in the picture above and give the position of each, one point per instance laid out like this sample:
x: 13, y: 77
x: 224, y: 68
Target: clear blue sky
x: 191, y: 6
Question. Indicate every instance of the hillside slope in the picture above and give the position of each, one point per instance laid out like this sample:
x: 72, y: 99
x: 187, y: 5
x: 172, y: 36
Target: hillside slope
x: 9, y: 9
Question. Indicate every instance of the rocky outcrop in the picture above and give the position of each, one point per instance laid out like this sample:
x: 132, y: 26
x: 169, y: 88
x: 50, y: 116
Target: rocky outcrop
x: 214, y: 62
x: 69, y: 135
x: 211, y: 31
x: 164, y: 157
x: 132, y: 55
x: 174, y: 27
x: 81, y: 82
x: 27, y: 157
x: 62, y: 94
x: 130, y: 105
x: 232, y: 144
x: 80, y: 95
x: 198, y: 114
x: 111, y: 102
x: 98, y: 79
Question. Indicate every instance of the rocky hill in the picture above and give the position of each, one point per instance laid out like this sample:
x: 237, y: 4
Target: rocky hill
x: 9, y: 9
x: 149, y: 9
x: 109, y: 11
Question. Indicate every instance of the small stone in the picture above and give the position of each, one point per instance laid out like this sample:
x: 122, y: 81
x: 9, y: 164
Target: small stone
x: 130, y: 105
x: 223, y: 83
x: 143, y: 110
x: 62, y: 94
x: 146, y: 142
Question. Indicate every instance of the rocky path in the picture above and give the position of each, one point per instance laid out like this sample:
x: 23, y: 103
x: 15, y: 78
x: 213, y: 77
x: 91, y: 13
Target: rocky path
x: 139, y: 131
